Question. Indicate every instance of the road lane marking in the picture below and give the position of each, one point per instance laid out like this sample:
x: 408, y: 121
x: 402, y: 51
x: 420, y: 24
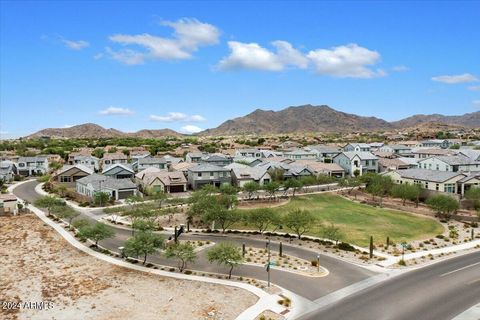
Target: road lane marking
x: 460, y: 269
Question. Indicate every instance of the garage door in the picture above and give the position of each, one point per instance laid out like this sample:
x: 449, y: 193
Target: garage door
x: 125, y: 194
x: 176, y: 189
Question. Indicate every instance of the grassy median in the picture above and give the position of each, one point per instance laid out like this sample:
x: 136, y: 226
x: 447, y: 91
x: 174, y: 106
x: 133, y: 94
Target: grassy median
x: 358, y: 222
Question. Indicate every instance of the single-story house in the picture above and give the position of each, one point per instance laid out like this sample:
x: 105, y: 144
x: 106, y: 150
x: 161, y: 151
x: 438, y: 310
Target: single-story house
x: 330, y: 169
x: 69, y: 174
x: 164, y: 181
x: 441, y: 181
x: 300, y: 154
x: 119, y: 171
x: 116, y: 188
x: 391, y: 164
x: 423, y: 153
x: 183, y: 167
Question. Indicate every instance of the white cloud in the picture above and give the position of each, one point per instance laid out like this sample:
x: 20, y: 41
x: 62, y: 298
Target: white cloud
x: 190, y: 129
x: 400, y: 68
x: 253, y: 56
x: 189, y: 35
x: 177, y: 117
x: 476, y: 103
x: 453, y: 79
x: 68, y: 125
x: 344, y: 61
x: 75, y: 45
x: 113, y: 111
x: 98, y: 56
x: 474, y: 88
x: 126, y: 56
x: 349, y: 61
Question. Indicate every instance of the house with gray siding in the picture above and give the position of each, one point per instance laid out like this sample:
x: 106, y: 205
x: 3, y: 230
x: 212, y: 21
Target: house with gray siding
x: 204, y: 174
x: 352, y: 161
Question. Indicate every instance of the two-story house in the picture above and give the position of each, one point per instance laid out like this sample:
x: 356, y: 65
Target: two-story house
x: 114, y: 158
x: 299, y: 154
x: 249, y: 153
x: 357, y: 147
x: 144, y: 163
x: 398, y: 149
x: 357, y: 163
x: 204, y: 173
x: 455, y: 163
x: 28, y: 166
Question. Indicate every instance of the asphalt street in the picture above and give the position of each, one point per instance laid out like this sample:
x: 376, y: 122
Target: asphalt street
x: 437, y: 292
x: 341, y: 273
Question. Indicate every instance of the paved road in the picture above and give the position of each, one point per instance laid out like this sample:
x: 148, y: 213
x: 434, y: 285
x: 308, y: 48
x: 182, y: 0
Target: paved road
x: 341, y: 273
x: 437, y: 292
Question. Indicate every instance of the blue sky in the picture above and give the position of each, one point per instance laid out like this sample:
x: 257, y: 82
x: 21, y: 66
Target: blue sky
x: 192, y: 65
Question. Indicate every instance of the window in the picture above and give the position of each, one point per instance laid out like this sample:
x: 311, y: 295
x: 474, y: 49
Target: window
x: 367, y: 163
x: 437, y: 186
x: 449, y: 187
x: 65, y: 179
x: 447, y: 168
x: 211, y: 174
x: 438, y: 166
x: 199, y: 174
x: 426, y: 185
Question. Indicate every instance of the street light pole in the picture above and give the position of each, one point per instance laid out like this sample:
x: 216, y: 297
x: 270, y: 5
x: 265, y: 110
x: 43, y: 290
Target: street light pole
x: 268, y: 266
x: 318, y: 263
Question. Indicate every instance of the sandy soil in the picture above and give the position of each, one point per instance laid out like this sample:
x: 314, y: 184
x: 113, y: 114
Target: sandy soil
x: 38, y: 265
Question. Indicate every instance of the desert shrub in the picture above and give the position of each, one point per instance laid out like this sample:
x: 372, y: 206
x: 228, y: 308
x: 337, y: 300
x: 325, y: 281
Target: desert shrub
x: 345, y: 246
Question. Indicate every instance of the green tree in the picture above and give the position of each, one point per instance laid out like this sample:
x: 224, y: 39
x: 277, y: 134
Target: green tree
x: 48, y: 202
x: 277, y: 174
x: 250, y: 188
x: 442, y: 204
x: 222, y: 216
x: 184, y: 252
x: 143, y: 244
x: 80, y: 223
x: 65, y: 212
x: 271, y: 188
x: 263, y: 219
x: 142, y: 225
x: 293, y: 184
x: 377, y: 185
x: 98, y: 153
x: 299, y: 221
x: 226, y: 254
x: 101, y: 198
x: 228, y: 189
x: 406, y: 192
x: 473, y: 194
x: 159, y: 198
x: 332, y: 232
x: 96, y: 232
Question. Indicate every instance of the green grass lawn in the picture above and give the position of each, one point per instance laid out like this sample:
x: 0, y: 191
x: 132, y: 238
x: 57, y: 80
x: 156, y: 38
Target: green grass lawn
x: 358, y: 222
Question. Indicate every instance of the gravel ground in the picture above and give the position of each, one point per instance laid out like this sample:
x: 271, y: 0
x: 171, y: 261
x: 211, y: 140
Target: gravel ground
x: 38, y: 265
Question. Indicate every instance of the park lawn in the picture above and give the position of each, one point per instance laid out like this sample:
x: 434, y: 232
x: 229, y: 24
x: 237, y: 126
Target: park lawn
x: 358, y: 222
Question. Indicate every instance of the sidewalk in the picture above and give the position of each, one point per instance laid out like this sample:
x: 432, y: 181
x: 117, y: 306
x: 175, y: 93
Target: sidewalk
x: 266, y: 301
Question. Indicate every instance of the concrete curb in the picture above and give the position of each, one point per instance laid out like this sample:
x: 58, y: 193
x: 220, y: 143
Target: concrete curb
x: 266, y: 301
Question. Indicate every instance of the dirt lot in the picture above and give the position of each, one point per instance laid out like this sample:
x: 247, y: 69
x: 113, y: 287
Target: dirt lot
x: 38, y: 265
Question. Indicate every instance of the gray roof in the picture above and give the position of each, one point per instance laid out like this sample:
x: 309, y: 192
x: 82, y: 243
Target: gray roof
x: 457, y: 160
x: 363, y: 155
x: 152, y: 160
x: 80, y: 167
x: 324, y: 149
x: 428, y: 175
x: 124, y: 166
x: 32, y: 159
x: 205, y: 167
x: 246, y: 172
x: 100, y: 181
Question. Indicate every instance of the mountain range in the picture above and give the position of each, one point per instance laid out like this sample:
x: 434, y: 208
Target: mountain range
x: 305, y: 118
x: 92, y: 130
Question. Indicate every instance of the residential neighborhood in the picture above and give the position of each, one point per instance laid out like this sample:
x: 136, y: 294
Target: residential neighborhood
x: 239, y: 160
